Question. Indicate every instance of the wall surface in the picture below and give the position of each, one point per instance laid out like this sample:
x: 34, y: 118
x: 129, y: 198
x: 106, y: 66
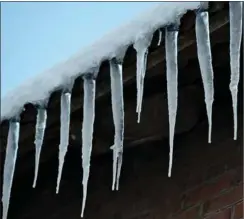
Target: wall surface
x: 207, y: 180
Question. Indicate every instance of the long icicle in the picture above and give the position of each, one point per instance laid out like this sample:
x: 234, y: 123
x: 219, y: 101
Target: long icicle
x: 235, y: 12
x: 171, y: 50
x: 64, y: 130
x: 141, y: 85
x: 118, y: 117
x: 141, y: 47
x: 41, y: 120
x: 9, y: 165
x: 87, y: 131
x: 205, y: 62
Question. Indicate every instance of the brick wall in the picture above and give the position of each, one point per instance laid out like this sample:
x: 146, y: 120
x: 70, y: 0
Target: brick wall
x: 206, y: 183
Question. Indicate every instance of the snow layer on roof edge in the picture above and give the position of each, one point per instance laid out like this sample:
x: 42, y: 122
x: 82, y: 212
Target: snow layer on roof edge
x: 41, y: 86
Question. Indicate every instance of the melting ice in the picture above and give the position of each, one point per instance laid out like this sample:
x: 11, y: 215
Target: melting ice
x: 41, y: 120
x: 87, y: 131
x: 64, y: 132
x: 118, y: 117
x: 205, y: 62
x: 235, y: 12
x: 9, y: 165
x: 141, y: 47
x: 159, y: 37
x: 171, y: 38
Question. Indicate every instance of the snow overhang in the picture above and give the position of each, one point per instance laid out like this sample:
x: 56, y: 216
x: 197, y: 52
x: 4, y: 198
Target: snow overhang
x: 86, y: 61
x: 111, y: 45
x: 219, y: 19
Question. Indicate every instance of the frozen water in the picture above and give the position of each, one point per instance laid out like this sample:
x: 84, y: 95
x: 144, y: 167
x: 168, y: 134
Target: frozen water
x: 87, y: 131
x: 118, y: 117
x: 235, y: 47
x: 205, y: 62
x: 9, y: 165
x: 171, y: 39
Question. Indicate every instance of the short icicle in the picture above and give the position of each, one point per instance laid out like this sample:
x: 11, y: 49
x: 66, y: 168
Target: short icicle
x: 41, y: 120
x: 205, y: 62
x: 118, y: 117
x: 87, y: 131
x: 64, y: 130
x: 171, y: 51
x: 10, y: 160
x: 235, y: 11
x: 141, y: 47
x: 159, y: 37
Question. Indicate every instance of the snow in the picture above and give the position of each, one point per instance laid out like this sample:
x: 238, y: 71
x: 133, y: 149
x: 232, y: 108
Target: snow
x: 87, y: 131
x: 41, y: 86
x: 41, y: 120
x: 118, y: 117
x: 64, y: 132
x: 205, y: 62
x: 9, y: 165
x: 171, y: 51
x: 235, y: 47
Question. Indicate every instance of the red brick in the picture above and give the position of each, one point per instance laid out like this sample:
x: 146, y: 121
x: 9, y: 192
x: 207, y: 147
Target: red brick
x: 192, y: 213
x: 238, y: 211
x: 211, y: 189
x: 225, y: 214
x: 239, y: 178
x: 225, y: 199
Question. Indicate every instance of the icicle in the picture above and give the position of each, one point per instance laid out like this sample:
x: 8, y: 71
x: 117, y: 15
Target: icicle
x: 171, y: 38
x: 205, y: 62
x: 235, y: 46
x: 141, y: 47
x: 10, y: 160
x: 87, y: 131
x: 64, y: 130
x: 118, y: 117
x: 160, y: 37
x: 141, y: 85
x: 41, y: 120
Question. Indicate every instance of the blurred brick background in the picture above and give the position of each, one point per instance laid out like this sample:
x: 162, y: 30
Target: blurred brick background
x: 206, y: 183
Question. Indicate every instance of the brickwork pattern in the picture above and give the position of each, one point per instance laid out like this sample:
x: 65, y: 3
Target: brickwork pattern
x: 206, y: 183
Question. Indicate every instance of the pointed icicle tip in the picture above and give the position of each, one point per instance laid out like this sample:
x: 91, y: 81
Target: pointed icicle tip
x: 87, y: 131
x: 64, y: 131
x: 118, y: 118
x: 171, y: 51
x: 141, y: 47
x: 235, y: 14
x: 41, y: 120
x: 205, y: 62
x: 10, y: 161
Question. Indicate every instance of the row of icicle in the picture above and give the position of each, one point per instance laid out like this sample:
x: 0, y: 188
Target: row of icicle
x: 141, y: 47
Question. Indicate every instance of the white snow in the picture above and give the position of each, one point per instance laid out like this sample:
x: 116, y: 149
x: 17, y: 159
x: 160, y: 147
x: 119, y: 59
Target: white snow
x: 64, y: 132
x: 40, y: 86
x: 9, y: 165
x: 171, y: 51
x: 235, y: 47
x: 41, y: 120
x: 87, y: 132
x: 205, y: 62
x: 118, y: 117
